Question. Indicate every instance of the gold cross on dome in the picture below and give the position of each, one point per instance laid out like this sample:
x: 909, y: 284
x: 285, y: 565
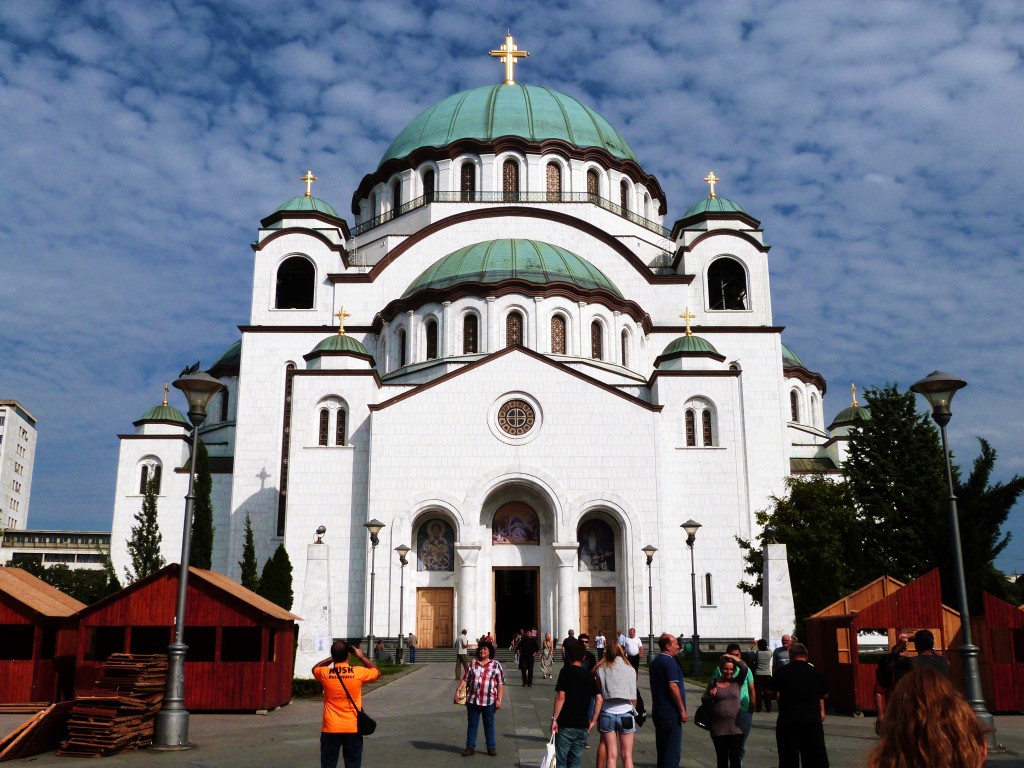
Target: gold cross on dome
x: 165, y: 395
x: 688, y: 316
x: 508, y: 53
x: 341, y: 314
x: 711, y: 179
x: 309, y: 178
x: 853, y: 392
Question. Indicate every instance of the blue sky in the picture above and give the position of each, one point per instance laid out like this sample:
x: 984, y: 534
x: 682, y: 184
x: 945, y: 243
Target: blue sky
x: 878, y: 143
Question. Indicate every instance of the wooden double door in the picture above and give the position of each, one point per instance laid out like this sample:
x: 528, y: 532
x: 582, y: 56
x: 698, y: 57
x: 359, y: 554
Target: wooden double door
x: 434, y: 617
x: 597, y: 612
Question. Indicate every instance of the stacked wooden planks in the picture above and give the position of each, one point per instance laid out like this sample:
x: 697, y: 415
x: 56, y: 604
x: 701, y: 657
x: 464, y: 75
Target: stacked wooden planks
x: 40, y: 733
x: 119, y: 714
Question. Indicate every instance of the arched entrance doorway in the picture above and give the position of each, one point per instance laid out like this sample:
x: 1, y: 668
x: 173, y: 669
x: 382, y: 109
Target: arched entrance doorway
x: 435, y: 581
x: 599, y: 562
x: 516, y: 559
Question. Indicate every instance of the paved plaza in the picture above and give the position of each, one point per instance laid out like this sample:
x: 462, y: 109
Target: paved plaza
x: 419, y: 726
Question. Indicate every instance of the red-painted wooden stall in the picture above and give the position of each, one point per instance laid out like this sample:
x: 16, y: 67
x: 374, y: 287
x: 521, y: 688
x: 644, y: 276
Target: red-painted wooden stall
x: 1001, y: 638
x: 38, y: 634
x: 883, y: 606
x: 240, y: 646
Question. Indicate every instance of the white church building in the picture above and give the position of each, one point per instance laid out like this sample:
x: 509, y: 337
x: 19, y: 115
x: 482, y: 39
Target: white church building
x: 514, y: 361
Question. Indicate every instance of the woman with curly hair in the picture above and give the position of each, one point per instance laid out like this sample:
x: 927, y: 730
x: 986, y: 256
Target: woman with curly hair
x: 928, y: 723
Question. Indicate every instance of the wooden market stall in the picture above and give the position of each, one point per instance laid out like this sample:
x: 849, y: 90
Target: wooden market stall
x: 240, y: 645
x: 38, y: 633
x: 1001, y: 638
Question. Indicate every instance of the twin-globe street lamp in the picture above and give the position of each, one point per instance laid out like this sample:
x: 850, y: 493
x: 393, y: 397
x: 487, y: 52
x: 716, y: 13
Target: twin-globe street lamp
x: 402, y: 551
x: 691, y: 527
x: 170, y: 729
x: 938, y: 389
x: 649, y: 551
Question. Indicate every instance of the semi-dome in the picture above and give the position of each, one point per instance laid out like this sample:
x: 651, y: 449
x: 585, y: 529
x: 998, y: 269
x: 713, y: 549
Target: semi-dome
x: 164, y: 414
x: 689, y: 346
x: 229, y: 363
x: 494, y: 261
x: 714, y: 205
x: 850, y: 415
x: 489, y: 112
x: 339, y: 343
x: 308, y: 204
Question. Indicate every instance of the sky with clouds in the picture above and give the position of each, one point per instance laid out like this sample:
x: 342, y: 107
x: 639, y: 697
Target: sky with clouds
x: 140, y: 143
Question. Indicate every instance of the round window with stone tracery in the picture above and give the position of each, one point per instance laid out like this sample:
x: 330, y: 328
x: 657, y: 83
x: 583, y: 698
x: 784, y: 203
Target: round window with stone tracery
x: 516, y: 417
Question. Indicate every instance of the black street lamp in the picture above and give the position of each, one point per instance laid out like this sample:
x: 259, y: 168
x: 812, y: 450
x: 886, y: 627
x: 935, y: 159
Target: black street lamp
x: 170, y: 729
x: 402, y: 551
x: 649, y: 551
x: 938, y: 389
x: 691, y: 527
x: 374, y: 527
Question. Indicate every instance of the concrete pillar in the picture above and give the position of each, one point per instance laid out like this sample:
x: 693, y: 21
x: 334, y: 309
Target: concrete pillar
x: 778, y: 614
x: 568, y: 598
x: 467, y: 556
x: 315, y: 629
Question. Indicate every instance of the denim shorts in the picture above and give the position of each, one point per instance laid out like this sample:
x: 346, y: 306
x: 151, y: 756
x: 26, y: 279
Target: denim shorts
x: 608, y: 723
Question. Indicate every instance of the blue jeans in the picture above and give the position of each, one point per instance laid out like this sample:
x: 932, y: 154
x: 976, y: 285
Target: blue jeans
x: 412, y: 654
x: 668, y: 740
x: 473, y: 712
x: 569, y: 743
x: 350, y: 744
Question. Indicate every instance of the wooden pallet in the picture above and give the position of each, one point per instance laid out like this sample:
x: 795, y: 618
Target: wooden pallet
x: 41, y: 733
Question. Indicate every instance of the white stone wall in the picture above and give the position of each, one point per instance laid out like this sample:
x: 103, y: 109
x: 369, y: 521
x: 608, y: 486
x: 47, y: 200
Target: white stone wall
x: 17, y: 452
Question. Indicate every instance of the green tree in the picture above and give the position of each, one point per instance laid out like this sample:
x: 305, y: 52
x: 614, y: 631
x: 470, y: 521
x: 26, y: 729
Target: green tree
x: 250, y: 576
x: 817, y: 521
x: 276, y: 579
x: 201, y: 552
x: 84, y: 584
x: 144, y: 545
x: 896, y: 475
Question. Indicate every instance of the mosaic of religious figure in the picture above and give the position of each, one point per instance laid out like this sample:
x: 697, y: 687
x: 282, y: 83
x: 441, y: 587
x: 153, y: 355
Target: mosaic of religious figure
x: 435, y: 547
x: 597, y: 546
x: 515, y: 523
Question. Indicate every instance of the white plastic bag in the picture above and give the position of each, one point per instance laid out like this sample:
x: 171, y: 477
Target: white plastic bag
x: 549, y: 755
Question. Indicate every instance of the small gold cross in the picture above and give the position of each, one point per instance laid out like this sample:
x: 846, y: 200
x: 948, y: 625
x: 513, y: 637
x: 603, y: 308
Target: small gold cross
x: 508, y: 53
x: 165, y: 395
x: 688, y: 316
x: 853, y: 391
x: 341, y: 314
x: 309, y: 178
x: 711, y: 179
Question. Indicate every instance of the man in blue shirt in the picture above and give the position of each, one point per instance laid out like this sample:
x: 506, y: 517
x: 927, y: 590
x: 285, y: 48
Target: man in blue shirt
x: 668, y: 702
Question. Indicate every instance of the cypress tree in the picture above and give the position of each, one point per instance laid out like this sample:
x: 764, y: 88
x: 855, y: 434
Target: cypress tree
x: 250, y: 576
x: 144, y: 545
x: 201, y: 553
x: 276, y: 579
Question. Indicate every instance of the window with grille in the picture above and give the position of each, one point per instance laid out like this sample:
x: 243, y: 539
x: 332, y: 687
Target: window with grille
x: 794, y: 406
x: 624, y: 195
x: 401, y: 348
x: 470, y: 331
x: 558, y: 335
x: 510, y: 180
x: 428, y: 185
x: 596, y: 341
x: 431, y: 329
x: 691, y: 429
x: 593, y: 184
x: 554, y: 182
x: 708, y: 594
x: 513, y: 329
x: 705, y: 422
x: 325, y: 419
x: 340, y: 427
x: 467, y: 181
x: 396, y: 196
x: 625, y: 347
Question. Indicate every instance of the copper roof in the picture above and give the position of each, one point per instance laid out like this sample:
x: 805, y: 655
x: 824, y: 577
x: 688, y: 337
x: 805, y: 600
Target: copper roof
x: 36, y: 594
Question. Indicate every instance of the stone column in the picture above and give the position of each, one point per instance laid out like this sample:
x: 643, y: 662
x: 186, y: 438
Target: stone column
x: 584, y: 328
x: 467, y: 556
x: 535, y: 325
x: 444, y: 342
x: 315, y: 629
x: 568, y: 597
x: 778, y: 614
x: 411, y: 337
x: 491, y: 334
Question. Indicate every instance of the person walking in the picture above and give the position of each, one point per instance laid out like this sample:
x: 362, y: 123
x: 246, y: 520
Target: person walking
x: 924, y: 643
x: 668, y: 702
x: 616, y: 721
x: 547, y: 653
x: 800, y: 730
x: 748, y: 696
x: 762, y: 675
x: 410, y: 643
x: 461, y: 654
x: 724, y: 694
x: 343, y: 698
x: 527, y: 657
x: 571, y: 720
x: 570, y: 638
x: 780, y: 656
x: 485, y: 685
x: 634, y: 648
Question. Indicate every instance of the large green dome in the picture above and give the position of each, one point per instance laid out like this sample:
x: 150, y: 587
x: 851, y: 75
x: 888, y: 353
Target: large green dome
x: 495, y: 260
x: 492, y: 111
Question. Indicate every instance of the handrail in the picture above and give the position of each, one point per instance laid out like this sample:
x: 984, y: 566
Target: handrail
x: 512, y: 197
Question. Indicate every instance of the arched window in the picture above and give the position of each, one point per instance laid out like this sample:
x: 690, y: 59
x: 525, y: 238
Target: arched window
x: 593, y: 185
x: 513, y: 329
x: 727, y: 285
x: 794, y: 406
x: 431, y: 329
x: 596, y: 546
x: 624, y: 338
x: 624, y: 195
x: 396, y: 196
x: 709, y: 597
x: 224, y: 404
x: 467, y: 181
x: 691, y: 429
x: 510, y: 181
x: 558, y: 335
x: 325, y: 419
x: 596, y: 341
x: 296, y: 279
x: 699, y: 409
x: 470, y: 333
x: 428, y: 185
x: 705, y: 423
x: 813, y: 416
x: 340, y: 427
x: 150, y: 472
x: 554, y: 182
x: 401, y: 348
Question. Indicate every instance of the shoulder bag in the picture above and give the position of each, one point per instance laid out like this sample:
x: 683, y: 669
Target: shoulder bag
x: 365, y: 725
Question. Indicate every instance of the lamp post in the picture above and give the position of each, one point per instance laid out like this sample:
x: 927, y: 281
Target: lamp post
x: 938, y: 389
x: 649, y: 551
x: 170, y: 729
x: 402, y: 551
x: 691, y: 527
x: 374, y: 527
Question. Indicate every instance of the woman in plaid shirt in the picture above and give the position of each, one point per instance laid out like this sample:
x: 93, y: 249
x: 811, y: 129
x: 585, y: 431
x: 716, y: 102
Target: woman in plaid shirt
x: 485, y: 684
